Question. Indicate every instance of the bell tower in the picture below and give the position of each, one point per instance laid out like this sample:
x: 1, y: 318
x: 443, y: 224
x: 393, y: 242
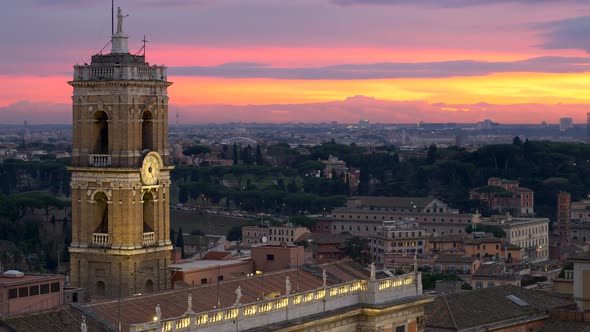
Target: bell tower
x: 120, y: 174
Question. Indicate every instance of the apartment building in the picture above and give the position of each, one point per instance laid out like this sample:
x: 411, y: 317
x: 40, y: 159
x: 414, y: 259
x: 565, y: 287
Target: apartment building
x: 531, y: 234
x: 395, y: 239
x: 506, y: 196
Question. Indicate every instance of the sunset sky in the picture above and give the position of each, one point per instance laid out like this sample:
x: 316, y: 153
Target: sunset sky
x: 513, y: 61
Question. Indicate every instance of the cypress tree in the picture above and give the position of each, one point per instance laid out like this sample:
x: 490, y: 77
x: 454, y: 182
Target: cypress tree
x: 180, y: 241
x: 235, y: 154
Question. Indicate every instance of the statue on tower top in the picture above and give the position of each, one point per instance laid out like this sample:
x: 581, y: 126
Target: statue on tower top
x: 120, y: 18
x: 119, y: 39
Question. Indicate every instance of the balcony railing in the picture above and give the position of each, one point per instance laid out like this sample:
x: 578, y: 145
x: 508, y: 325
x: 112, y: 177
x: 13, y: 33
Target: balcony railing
x: 100, y: 239
x: 99, y: 160
x: 149, y: 239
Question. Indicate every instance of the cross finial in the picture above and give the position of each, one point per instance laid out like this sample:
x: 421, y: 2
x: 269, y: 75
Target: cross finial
x: 144, y: 40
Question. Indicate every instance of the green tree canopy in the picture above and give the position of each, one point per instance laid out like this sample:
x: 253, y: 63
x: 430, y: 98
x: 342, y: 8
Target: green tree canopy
x: 497, y: 231
x: 196, y: 150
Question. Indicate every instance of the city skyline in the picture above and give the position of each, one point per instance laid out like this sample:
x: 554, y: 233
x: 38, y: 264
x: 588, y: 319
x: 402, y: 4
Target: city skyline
x: 514, y: 61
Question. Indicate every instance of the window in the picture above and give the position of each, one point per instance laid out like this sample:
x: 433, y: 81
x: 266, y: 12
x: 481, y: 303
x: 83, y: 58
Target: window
x: 55, y: 287
x: 34, y: 290
x: 45, y: 289
x: 490, y: 284
x: 270, y: 257
x: 219, y: 278
x: 203, y: 281
x: 401, y: 328
x: 23, y: 292
x: 12, y: 293
x: 478, y: 285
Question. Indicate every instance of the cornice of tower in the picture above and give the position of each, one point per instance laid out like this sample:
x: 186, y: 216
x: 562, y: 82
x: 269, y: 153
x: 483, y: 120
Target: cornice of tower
x: 119, y: 83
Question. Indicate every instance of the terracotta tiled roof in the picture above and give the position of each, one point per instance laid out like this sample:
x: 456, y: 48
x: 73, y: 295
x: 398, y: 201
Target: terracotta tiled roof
x: 216, y: 255
x: 61, y: 320
x: 173, y: 303
x: 487, y: 306
x: 346, y: 270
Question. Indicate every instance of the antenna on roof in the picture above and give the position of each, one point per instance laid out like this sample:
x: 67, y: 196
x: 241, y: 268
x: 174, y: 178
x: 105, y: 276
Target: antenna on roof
x: 112, y: 17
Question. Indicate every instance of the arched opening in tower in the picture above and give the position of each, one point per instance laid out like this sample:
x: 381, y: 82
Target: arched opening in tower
x: 101, y: 133
x: 147, y: 131
x: 101, y: 213
x: 149, y: 286
x: 100, y: 288
x: 148, y: 212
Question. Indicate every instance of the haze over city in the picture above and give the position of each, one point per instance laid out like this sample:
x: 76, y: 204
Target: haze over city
x: 391, y: 61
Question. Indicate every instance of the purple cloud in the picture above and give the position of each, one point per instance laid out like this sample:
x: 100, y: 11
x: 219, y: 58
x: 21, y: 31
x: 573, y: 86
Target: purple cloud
x: 389, y: 69
x: 571, y: 33
x: 448, y: 3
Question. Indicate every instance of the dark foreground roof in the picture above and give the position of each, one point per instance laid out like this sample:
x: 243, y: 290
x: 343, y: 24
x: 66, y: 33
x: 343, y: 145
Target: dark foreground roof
x: 490, y: 306
x: 64, y: 319
x: 104, y: 315
x: 562, y: 326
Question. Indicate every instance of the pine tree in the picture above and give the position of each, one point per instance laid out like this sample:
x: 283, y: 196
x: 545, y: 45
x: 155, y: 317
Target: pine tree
x: 259, y: 159
x: 180, y: 241
x: 431, y: 155
x: 235, y: 154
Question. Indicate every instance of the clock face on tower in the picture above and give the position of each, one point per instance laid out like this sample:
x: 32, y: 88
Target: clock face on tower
x: 150, y: 169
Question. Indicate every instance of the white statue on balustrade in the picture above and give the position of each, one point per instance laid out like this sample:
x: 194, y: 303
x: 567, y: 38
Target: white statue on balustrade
x: 238, y: 295
x: 158, y: 313
x: 287, y: 286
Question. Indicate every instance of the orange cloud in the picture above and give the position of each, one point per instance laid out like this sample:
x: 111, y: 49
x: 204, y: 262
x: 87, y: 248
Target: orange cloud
x: 498, y: 89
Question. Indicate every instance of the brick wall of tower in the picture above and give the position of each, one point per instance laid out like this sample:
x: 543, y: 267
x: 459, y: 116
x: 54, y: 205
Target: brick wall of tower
x: 564, y: 216
x: 124, y: 122
x: 127, y: 274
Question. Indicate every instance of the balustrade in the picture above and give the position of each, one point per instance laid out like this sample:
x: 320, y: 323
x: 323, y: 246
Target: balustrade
x: 352, y: 288
x: 100, y: 239
x: 99, y: 160
x: 149, y: 239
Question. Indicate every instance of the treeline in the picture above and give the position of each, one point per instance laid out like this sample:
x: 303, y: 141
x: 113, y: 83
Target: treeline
x: 447, y: 173
x: 259, y: 188
x: 23, y: 225
x: 20, y: 176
